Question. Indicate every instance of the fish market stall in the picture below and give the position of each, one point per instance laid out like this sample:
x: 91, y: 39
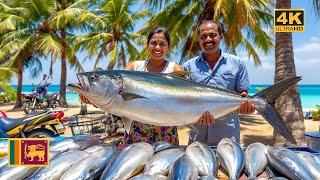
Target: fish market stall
x: 85, y: 157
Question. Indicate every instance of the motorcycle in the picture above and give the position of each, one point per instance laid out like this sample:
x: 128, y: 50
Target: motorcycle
x: 34, y: 101
x: 36, y: 124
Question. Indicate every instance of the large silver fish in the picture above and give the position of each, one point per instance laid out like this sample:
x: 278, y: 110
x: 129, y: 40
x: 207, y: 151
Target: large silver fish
x: 161, y: 162
x: 149, y: 177
x: 256, y: 159
x: 312, y: 162
x: 183, y: 168
x: 128, y: 162
x: 288, y: 163
x: 21, y: 172
x: 59, y: 165
x: 167, y: 100
x: 92, y: 166
x: 231, y: 157
x: 203, y: 157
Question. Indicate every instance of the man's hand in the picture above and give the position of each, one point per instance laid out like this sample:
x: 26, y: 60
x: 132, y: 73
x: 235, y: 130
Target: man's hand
x: 206, y: 118
x: 246, y: 107
x: 84, y: 99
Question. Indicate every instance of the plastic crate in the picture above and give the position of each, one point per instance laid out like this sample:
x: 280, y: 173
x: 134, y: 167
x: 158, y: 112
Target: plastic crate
x: 313, y: 140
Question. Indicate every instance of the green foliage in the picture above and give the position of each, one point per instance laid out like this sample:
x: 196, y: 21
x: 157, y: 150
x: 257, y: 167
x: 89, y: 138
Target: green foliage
x: 8, y: 94
x: 316, y: 114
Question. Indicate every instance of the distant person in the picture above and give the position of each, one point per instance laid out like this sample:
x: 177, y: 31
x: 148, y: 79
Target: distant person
x: 216, y: 68
x: 43, y: 85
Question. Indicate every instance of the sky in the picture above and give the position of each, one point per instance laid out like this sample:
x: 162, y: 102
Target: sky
x: 306, y: 48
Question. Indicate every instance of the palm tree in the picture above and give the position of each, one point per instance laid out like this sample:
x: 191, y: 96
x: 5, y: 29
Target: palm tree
x: 289, y: 104
x: 38, y: 29
x: 111, y: 35
x: 244, y: 21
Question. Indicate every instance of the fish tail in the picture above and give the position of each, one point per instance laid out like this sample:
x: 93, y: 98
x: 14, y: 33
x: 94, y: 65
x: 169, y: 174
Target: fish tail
x: 268, y: 110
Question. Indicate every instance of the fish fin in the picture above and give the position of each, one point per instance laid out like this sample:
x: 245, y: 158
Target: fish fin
x: 268, y: 110
x: 181, y: 74
x: 127, y: 124
x: 130, y: 96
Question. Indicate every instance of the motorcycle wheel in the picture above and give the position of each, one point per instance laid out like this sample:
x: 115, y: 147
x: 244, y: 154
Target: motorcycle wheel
x: 54, y: 104
x: 26, y: 107
x: 40, y: 133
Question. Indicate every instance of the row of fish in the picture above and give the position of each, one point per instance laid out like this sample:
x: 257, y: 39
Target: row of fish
x: 86, y: 158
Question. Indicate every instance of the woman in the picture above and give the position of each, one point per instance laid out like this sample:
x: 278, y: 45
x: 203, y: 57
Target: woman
x: 158, y: 44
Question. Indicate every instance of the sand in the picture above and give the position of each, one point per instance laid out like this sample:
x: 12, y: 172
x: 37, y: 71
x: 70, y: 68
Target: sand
x: 253, y: 128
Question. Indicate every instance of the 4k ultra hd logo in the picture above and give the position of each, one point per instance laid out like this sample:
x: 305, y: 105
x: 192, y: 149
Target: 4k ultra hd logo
x: 28, y: 152
x: 288, y: 20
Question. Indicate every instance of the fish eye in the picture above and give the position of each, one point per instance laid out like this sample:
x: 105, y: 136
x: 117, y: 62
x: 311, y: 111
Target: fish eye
x: 93, y: 77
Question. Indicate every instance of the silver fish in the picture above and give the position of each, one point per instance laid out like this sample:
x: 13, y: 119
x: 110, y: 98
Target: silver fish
x: 59, y: 165
x: 149, y: 177
x: 183, y: 168
x: 128, y: 162
x: 94, y: 149
x: 203, y: 157
x: 161, y: 145
x: 231, y: 157
x: 152, y: 98
x: 3, y: 147
x: 211, y: 177
x: 312, y: 162
x: 73, y: 143
x: 256, y: 159
x: 3, y: 162
x: 288, y: 163
x: 92, y: 166
x: 20, y: 172
x: 161, y: 162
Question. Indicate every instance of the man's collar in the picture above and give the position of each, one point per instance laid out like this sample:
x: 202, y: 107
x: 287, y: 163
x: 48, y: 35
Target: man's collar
x: 202, y: 58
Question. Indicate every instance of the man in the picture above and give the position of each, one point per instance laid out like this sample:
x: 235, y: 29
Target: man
x: 43, y: 85
x: 216, y: 68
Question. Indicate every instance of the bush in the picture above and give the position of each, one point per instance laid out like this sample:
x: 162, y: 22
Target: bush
x: 8, y: 93
x: 316, y: 114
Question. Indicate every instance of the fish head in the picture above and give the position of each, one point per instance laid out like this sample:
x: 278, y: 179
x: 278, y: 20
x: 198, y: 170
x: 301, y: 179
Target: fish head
x: 99, y: 87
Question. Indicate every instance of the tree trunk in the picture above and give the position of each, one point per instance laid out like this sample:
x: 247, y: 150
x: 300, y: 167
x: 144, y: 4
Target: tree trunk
x: 19, y: 89
x: 289, y: 104
x: 63, y: 78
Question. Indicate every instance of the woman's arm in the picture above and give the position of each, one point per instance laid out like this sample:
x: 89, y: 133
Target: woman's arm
x: 129, y: 66
x: 177, y: 67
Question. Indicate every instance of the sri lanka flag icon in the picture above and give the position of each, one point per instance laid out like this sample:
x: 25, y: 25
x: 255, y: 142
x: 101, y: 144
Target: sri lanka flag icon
x: 28, y: 152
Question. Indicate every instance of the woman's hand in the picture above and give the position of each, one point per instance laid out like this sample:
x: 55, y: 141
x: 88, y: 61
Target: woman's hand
x: 206, y: 118
x: 84, y: 99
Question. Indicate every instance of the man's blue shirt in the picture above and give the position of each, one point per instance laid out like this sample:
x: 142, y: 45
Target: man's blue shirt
x: 229, y: 73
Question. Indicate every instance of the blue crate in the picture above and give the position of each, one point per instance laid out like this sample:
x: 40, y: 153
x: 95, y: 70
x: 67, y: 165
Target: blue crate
x: 313, y: 140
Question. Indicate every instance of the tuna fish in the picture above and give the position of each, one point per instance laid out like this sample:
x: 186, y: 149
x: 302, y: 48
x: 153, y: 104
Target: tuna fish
x: 312, y: 162
x: 256, y: 160
x: 92, y: 166
x: 3, y: 147
x: 161, y: 145
x: 203, y: 157
x: 231, y: 157
x: 168, y: 100
x: 288, y: 163
x: 128, y: 162
x: 162, y: 161
x: 183, y: 168
x: 59, y: 165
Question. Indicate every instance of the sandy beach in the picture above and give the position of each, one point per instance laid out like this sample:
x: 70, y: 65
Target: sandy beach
x: 253, y: 128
